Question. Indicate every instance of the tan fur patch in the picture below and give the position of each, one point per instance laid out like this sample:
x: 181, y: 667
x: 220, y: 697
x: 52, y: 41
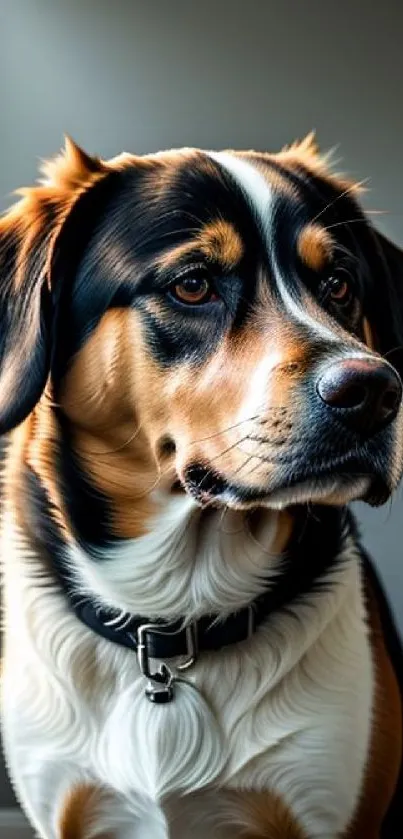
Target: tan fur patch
x: 217, y: 418
x: 218, y: 242
x: 368, y: 334
x: 306, y: 153
x: 40, y: 453
x: 42, y: 210
x: 221, y: 243
x: 101, y: 399
x: 314, y: 247
x: 78, y: 817
x: 262, y: 815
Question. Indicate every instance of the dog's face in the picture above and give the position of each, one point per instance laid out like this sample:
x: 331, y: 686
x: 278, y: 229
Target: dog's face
x: 231, y: 320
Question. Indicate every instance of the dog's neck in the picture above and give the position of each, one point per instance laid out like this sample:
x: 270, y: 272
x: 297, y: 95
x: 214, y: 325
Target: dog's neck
x: 186, y: 561
x: 192, y: 562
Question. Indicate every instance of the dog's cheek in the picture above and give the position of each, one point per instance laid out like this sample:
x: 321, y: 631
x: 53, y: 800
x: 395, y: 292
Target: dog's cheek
x: 96, y: 393
x: 106, y: 395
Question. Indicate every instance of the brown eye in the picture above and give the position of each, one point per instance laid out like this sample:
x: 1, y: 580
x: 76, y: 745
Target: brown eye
x: 193, y: 291
x: 339, y: 289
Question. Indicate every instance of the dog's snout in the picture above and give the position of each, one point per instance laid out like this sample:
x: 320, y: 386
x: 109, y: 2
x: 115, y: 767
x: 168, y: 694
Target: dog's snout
x: 366, y: 393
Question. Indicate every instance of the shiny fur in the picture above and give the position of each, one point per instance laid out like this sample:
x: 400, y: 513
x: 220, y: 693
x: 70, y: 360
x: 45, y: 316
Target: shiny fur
x: 157, y: 454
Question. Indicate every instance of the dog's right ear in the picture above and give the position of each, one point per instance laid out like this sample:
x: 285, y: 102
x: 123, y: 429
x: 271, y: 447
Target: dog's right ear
x: 386, y: 316
x: 28, y: 233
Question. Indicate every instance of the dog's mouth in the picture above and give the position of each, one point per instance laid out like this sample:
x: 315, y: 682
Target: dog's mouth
x: 333, y: 485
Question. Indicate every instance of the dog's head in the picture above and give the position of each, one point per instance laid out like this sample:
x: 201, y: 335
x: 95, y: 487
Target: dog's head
x: 230, y: 323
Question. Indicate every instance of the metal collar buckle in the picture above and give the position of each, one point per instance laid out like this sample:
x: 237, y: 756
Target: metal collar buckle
x: 160, y: 687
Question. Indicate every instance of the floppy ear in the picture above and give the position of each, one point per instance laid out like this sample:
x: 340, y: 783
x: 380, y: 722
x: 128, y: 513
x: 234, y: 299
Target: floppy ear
x: 387, y: 300
x: 28, y: 233
x: 25, y: 311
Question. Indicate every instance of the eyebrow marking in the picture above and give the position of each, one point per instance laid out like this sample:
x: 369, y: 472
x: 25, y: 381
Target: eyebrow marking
x: 218, y: 241
x: 262, y: 201
x: 314, y: 246
x: 221, y: 242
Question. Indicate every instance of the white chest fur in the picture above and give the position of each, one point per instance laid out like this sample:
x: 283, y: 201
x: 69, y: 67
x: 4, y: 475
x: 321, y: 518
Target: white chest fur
x: 288, y: 711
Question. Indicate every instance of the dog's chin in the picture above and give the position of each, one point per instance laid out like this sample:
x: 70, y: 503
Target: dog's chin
x: 210, y: 489
x: 333, y: 491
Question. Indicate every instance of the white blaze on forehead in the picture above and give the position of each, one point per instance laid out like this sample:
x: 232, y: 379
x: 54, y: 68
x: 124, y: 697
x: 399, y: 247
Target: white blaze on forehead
x: 262, y: 200
x: 254, y: 186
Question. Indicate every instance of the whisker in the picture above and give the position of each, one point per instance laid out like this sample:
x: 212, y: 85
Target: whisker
x: 245, y: 463
x: 349, y: 189
x: 177, y: 231
x: 224, y: 430
x: 117, y: 449
x: 344, y: 223
x: 262, y: 458
x: 395, y: 349
x: 256, y: 417
x: 229, y: 449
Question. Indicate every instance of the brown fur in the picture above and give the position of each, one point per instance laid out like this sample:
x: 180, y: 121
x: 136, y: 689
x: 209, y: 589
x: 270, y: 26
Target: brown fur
x: 121, y: 405
x: 221, y: 243
x: 42, y: 210
x: 302, y: 154
x: 368, y: 334
x: 78, y: 817
x: 218, y: 242
x: 314, y: 247
x: 305, y: 153
x: 386, y: 747
x: 261, y: 815
x: 254, y: 815
x: 104, y: 398
x: 120, y: 418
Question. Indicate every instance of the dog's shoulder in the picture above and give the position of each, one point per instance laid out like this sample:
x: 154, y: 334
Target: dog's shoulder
x: 383, y: 785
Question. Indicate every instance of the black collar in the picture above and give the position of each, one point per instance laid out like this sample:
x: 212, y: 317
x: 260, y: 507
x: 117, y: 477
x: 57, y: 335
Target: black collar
x: 163, y: 639
x: 315, y: 546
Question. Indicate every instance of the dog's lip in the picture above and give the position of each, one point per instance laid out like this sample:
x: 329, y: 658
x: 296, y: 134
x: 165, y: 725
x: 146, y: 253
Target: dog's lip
x: 321, y: 490
x: 335, y: 481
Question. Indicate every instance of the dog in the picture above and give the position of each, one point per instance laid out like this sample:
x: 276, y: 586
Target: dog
x: 201, y: 361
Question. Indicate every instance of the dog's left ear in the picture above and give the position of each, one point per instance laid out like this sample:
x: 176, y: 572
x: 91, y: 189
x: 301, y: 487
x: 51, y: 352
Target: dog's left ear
x: 386, y: 315
x: 29, y: 233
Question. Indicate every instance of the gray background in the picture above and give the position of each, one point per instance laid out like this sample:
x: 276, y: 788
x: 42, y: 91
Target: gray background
x: 142, y: 76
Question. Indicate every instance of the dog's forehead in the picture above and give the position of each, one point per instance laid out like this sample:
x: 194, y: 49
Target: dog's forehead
x: 209, y: 176
x: 271, y: 194
x: 218, y: 199
x: 230, y: 199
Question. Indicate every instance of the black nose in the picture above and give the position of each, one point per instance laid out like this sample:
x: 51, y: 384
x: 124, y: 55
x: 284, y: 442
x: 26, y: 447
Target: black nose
x: 366, y: 393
